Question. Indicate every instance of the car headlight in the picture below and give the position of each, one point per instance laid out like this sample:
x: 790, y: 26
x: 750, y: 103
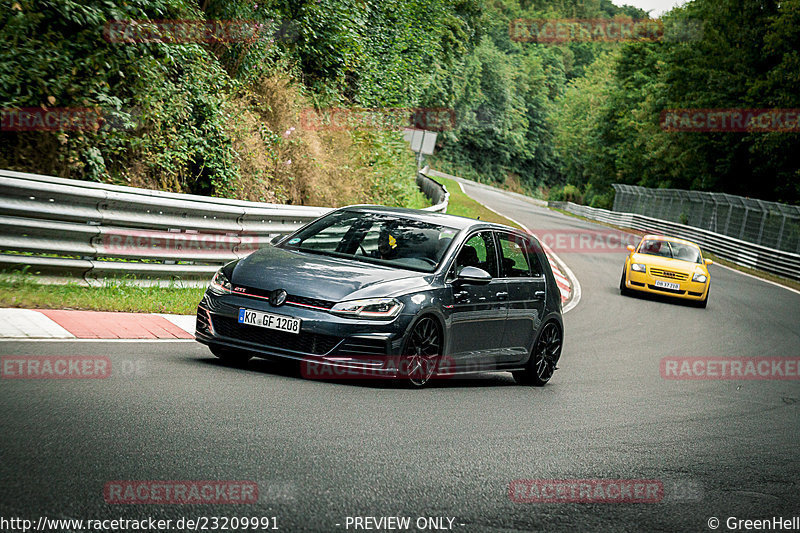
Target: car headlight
x: 699, y: 277
x: 380, y: 308
x: 638, y: 267
x: 220, y: 284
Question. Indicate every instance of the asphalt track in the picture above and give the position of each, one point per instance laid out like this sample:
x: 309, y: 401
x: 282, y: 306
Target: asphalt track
x: 322, y: 451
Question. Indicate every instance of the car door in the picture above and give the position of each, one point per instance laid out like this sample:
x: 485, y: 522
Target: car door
x: 478, y: 311
x: 522, y: 271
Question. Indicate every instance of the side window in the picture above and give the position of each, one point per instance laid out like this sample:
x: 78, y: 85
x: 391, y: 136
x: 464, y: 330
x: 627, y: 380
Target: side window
x: 479, y: 252
x: 532, y: 249
x: 513, y: 256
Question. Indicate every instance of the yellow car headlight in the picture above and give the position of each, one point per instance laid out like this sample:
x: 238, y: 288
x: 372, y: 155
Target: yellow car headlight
x: 699, y: 277
x: 638, y: 267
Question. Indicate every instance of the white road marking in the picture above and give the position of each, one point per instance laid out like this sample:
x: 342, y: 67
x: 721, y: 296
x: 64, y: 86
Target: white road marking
x: 185, y: 322
x: 756, y: 277
x: 29, y: 324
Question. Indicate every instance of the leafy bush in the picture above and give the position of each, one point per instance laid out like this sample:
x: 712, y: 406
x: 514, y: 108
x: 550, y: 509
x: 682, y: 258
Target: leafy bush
x: 567, y: 193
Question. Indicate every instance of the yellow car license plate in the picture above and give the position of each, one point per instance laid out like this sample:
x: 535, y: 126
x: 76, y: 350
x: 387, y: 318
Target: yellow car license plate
x: 668, y: 285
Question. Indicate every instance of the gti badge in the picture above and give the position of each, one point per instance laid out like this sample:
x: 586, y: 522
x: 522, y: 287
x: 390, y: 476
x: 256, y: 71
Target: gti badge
x: 277, y: 297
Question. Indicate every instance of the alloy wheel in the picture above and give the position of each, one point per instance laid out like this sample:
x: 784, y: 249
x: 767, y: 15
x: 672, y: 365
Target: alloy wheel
x: 423, y: 349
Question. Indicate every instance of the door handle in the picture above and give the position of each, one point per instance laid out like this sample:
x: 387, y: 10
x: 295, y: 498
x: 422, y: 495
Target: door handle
x: 502, y: 295
x: 538, y: 295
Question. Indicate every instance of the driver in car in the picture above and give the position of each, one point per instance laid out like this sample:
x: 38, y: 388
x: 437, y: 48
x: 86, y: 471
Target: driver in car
x: 387, y: 245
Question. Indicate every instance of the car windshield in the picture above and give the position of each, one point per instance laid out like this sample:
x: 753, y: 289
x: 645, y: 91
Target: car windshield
x: 670, y: 249
x: 381, y: 238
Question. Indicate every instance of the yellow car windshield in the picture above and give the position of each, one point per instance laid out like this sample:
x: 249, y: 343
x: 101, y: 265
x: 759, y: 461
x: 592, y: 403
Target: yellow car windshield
x: 672, y: 250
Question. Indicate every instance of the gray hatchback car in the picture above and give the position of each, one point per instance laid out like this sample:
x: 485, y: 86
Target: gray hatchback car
x: 388, y: 292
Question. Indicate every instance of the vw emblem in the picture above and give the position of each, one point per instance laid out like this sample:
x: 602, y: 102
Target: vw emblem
x: 277, y: 297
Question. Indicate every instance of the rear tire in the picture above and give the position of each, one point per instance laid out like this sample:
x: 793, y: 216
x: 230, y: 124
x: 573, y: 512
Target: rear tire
x: 230, y: 355
x: 544, y: 357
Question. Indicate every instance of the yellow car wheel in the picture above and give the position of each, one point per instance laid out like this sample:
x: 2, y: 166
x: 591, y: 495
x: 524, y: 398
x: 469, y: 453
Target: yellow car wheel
x: 704, y: 302
x: 623, y: 290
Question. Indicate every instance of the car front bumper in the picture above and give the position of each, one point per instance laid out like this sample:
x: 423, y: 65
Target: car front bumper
x: 324, y: 339
x: 645, y: 282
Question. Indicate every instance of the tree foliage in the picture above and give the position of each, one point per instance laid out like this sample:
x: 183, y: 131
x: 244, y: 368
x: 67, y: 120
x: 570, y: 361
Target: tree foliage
x: 745, y: 57
x: 210, y: 118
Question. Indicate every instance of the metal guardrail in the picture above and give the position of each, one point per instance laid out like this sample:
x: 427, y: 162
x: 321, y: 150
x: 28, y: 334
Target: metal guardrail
x: 434, y: 190
x: 91, y: 231
x: 747, y: 254
x: 765, y: 223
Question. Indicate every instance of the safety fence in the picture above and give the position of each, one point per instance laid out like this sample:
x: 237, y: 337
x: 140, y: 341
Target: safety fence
x: 781, y: 263
x: 769, y: 224
x: 62, y: 228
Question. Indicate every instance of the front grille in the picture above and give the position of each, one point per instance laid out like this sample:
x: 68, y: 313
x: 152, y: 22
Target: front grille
x: 263, y: 294
x: 201, y: 324
x: 305, y: 342
x: 664, y: 289
x: 669, y: 274
x: 313, y: 302
x: 356, y: 346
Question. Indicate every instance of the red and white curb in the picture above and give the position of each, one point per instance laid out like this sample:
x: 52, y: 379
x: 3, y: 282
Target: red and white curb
x: 567, y: 282
x: 65, y: 324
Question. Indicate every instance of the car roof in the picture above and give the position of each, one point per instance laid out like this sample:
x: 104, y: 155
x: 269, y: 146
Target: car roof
x: 672, y: 239
x: 444, y: 219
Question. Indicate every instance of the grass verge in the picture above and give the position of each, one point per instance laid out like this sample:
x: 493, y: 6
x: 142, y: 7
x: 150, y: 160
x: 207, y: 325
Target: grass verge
x: 463, y: 205
x: 22, y: 290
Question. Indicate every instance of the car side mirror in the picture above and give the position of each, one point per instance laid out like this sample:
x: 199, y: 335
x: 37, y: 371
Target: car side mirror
x: 470, y: 275
x: 630, y: 248
x: 709, y: 262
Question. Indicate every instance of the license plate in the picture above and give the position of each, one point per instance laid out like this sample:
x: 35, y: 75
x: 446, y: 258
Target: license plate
x: 668, y: 285
x: 269, y: 321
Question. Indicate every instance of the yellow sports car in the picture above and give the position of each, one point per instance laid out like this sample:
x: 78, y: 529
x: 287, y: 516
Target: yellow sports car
x: 667, y: 266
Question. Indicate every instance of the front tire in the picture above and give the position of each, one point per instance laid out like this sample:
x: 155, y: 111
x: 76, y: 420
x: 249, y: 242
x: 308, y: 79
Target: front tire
x: 544, y: 357
x: 422, y: 352
x: 704, y: 302
x: 623, y: 290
